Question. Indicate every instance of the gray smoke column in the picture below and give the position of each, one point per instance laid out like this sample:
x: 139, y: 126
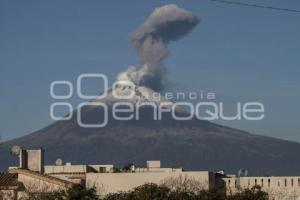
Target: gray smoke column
x: 167, y: 23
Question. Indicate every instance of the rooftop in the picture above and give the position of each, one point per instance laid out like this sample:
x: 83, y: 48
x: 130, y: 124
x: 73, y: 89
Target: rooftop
x: 8, y: 181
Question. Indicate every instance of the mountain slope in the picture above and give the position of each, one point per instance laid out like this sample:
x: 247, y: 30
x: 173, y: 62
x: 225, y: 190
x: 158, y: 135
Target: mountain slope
x: 192, y: 144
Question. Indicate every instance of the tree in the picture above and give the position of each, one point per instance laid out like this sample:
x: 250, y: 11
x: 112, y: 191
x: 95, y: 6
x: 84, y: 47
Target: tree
x: 127, y: 167
x: 116, y: 170
x: 159, y: 192
x: 184, y: 184
x: 77, y: 192
x: 151, y: 191
x: 148, y: 191
x: 254, y: 193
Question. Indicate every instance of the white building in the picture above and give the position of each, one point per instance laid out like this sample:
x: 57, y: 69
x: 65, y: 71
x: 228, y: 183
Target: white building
x: 106, y: 183
x: 278, y: 187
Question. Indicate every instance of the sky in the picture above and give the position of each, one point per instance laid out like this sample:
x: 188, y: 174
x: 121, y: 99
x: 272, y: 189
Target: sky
x: 240, y: 53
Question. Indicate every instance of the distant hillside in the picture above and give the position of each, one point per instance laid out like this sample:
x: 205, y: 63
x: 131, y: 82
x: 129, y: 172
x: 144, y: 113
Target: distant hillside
x: 192, y: 144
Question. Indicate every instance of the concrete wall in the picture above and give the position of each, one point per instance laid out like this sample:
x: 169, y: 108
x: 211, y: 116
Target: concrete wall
x: 8, y: 195
x: 279, y: 188
x: 113, y: 182
x: 73, y: 178
x: 37, y: 185
x: 158, y: 170
x: 108, y: 168
x: 32, y: 159
x: 51, y: 169
x: 55, y: 169
x: 153, y: 164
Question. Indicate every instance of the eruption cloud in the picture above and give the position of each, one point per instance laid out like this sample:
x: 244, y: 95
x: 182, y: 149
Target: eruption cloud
x: 150, y: 40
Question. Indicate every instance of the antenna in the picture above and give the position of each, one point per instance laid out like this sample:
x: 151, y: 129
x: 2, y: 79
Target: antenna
x: 58, y: 162
x: 15, y: 150
x: 242, y: 172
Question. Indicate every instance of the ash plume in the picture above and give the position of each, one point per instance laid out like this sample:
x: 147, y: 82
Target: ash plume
x: 150, y: 40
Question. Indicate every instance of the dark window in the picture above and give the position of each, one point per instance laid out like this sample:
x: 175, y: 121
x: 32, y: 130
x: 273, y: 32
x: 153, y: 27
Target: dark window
x: 285, y: 182
x: 269, y: 182
x: 262, y: 182
x: 255, y: 181
x: 292, y: 182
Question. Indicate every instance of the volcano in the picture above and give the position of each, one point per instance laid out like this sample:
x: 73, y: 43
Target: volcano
x: 193, y: 144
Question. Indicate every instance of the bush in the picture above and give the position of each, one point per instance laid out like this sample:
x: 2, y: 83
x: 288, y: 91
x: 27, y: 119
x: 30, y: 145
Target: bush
x: 77, y: 192
x: 156, y: 192
x: 254, y: 193
x: 149, y: 191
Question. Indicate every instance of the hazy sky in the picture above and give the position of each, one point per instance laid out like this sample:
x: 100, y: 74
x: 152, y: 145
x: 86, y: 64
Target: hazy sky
x: 241, y: 53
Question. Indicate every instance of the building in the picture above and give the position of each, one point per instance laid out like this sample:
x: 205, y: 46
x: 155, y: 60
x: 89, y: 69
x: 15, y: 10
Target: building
x: 29, y: 177
x: 32, y: 175
x: 106, y: 183
x: 278, y: 187
x: 75, y: 173
x: 18, y: 183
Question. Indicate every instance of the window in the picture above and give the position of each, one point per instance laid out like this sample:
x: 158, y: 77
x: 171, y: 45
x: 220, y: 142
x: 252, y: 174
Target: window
x: 278, y: 183
x: 285, y: 182
x: 292, y: 182
x: 269, y: 182
x: 298, y: 182
x: 229, y: 183
x: 262, y: 182
x: 235, y: 183
x: 248, y: 182
x: 255, y: 181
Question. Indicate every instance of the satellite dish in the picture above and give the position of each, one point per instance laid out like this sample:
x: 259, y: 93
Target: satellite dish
x: 243, y: 172
x: 15, y: 150
x: 58, y: 162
